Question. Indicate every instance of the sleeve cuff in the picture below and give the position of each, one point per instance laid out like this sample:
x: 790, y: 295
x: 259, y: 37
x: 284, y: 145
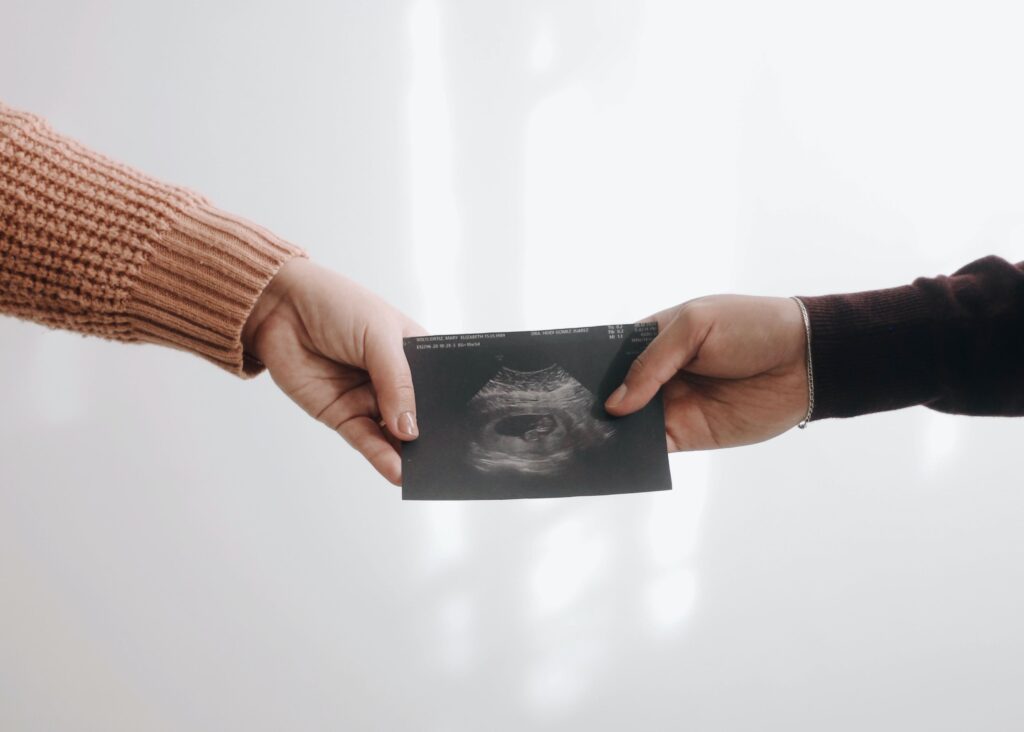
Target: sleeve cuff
x: 200, y: 282
x: 872, y: 351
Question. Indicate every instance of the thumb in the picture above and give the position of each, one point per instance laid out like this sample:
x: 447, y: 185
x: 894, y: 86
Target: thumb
x: 669, y: 352
x: 389, y: 372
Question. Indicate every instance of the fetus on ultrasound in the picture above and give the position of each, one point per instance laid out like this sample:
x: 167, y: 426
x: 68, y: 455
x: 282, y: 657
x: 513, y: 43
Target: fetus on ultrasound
x: 533, y: 422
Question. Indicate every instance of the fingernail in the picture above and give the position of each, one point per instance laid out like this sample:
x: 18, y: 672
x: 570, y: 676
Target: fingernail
x: 617, y: 396
x: 407, y: 424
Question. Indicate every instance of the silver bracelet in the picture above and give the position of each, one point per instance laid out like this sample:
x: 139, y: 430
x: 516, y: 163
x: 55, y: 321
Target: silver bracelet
x: 810, y: 367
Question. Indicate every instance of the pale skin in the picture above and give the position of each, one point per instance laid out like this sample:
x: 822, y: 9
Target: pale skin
x: 335, y: 348
x: 732, y: 369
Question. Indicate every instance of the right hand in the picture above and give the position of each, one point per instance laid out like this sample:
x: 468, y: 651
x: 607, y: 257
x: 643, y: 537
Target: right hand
x: 733, y: 368
x: 336, y: 349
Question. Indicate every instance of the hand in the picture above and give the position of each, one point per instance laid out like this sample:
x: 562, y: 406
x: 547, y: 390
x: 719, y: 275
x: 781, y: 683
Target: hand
x: 336, y: 350
x: 734, y: 370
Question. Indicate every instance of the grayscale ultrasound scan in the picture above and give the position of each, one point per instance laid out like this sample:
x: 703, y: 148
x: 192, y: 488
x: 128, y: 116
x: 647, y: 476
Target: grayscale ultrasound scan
x: 521, y: 415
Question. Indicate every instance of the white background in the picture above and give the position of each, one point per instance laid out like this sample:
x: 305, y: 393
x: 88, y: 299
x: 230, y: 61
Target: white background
x: 183, y: 550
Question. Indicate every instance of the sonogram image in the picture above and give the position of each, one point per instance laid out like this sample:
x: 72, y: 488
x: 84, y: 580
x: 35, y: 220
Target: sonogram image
x: 532, y: 422
x: 521, y: 415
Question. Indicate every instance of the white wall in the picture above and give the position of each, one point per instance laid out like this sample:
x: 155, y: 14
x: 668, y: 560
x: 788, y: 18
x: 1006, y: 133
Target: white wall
x: 182, y: 550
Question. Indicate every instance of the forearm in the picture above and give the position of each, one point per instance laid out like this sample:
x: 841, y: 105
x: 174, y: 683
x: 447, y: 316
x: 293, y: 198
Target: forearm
x: 955, y: 344
x: 89, y: 245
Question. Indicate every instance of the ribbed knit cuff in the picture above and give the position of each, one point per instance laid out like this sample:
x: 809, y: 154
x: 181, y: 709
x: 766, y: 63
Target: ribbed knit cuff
x: 201, y: 281
x: 872, y: 351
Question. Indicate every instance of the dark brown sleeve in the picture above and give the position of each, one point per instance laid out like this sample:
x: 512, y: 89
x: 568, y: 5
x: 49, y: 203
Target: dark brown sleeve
x: 955, y: 344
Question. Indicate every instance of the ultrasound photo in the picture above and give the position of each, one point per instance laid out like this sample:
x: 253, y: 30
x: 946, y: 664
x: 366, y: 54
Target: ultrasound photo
x: 521, y: 415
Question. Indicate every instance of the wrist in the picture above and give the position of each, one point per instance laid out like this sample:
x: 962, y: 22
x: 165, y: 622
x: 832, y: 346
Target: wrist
x: 274, y: 296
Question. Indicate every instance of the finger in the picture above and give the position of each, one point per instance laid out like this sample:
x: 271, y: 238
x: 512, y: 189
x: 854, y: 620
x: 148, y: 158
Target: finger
x: 365, y: 435
x: 670, y: 351
x: 687, y: 424
x: 389, y: 371
x: 392, y: 440
x: 358, y: 402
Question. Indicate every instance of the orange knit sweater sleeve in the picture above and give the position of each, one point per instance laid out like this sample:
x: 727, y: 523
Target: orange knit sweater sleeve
x: 93, y: 246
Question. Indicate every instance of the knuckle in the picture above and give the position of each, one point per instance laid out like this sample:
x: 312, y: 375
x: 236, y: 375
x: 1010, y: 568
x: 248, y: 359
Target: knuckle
x: 404, y: 390
x: 640, y: 364
x: 693, y: 314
